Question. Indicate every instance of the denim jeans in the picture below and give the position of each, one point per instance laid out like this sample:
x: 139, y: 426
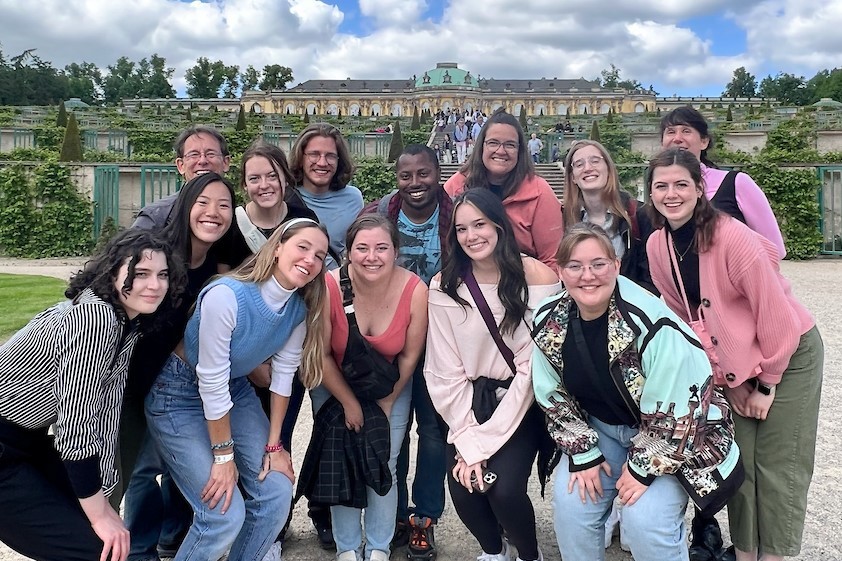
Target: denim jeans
x: 379, y: 515
x: 153, y: 513
x: 177, y: 423
x: 653, y: 526
x: 430, y: 464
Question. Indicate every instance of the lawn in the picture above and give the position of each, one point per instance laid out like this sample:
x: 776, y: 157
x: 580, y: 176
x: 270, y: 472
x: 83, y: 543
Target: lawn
x: 23, y: 296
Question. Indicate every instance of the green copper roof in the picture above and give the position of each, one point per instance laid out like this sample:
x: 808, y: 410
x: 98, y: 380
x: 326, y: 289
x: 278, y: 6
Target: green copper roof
x: 446, y: 74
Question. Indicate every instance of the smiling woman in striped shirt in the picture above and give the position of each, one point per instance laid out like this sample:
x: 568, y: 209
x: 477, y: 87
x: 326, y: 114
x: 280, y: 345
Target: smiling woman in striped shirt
x: 67, y: 368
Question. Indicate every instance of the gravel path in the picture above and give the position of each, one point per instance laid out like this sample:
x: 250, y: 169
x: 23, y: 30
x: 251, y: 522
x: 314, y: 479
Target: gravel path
x: 816, y: 283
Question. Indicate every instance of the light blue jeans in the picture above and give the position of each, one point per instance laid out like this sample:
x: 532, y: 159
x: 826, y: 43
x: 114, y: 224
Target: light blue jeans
x: 177, y: 423
x: 653, y: 526
x: 379, y: 515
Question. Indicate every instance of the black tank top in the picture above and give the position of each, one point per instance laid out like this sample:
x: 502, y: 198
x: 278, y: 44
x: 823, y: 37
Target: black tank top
x: 725, y: 198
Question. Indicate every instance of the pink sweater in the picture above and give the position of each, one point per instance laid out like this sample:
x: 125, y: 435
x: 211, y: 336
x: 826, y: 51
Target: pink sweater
x: 748, y: 305
x: 535, y: 214
x: 752, y: 202
x: 460, y: 349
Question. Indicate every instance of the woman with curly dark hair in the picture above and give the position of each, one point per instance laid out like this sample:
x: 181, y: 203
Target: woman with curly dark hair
x: 67, y: 369
x: 483, y: 299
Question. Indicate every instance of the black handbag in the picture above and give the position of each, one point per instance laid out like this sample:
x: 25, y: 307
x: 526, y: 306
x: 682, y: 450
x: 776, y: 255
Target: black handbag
x: 368, y: 373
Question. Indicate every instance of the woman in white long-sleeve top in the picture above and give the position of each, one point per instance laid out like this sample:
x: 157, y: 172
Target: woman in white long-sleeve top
x: 205, y: 416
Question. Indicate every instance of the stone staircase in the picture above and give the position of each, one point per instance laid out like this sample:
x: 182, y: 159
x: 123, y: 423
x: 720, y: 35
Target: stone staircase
x: 551, y: 172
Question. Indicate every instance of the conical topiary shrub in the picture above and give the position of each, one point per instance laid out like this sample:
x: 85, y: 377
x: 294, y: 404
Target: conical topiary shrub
x: 71, y: 147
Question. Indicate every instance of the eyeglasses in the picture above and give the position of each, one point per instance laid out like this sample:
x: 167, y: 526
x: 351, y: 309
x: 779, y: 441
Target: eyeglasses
x: 508, y: 146
x: 593, y: 161
x: 329, y: 157
x: 598, y: 267
x: 208, y: 154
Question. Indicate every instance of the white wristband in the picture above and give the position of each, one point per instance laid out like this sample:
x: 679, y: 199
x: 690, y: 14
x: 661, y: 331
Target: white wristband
x: 223, y: 458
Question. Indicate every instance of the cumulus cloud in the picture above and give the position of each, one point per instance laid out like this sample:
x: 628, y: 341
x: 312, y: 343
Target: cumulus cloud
x: 649, y: 40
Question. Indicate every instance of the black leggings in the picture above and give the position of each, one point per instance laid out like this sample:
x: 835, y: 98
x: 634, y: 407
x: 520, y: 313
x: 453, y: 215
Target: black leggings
x: 507, y: 503
x: 40, y: 516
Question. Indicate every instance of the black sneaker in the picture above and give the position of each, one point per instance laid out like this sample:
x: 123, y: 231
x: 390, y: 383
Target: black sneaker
x: 401, y: 537
x: 325, y: 534
x: 422, y: 541
x: 706, y: 541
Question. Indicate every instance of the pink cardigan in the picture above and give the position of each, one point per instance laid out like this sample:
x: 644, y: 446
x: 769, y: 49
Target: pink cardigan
x: 748, y: 305
x: 535, y: 214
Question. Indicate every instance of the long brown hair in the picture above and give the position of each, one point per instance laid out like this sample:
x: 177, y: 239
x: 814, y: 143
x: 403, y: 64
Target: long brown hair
x: 704, y: 215
x: 260, y: 268
x: 344, y: 166
x: 573, y: 195
x: 474, y: 169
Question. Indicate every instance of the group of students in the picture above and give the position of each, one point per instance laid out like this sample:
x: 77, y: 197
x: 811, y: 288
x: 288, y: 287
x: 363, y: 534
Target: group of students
x: 512, y: 329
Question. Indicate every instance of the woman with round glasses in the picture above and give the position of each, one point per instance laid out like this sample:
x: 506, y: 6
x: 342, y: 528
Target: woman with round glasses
x: 631, y: 406
x: 592, y: 193
x: 501, y: 163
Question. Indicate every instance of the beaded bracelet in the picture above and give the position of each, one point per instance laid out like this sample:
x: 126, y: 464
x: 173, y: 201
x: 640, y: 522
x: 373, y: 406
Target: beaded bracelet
x: 223, y: 458
x: 223, y: 445
x: 274, y: 448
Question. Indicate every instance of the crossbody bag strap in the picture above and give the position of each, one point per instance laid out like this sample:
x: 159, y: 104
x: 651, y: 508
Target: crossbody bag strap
x: 254, y: 237
x: 488, y: 318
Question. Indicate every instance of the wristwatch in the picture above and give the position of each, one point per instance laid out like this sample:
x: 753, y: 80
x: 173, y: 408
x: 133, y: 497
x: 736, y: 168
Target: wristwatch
x: 764, y: 389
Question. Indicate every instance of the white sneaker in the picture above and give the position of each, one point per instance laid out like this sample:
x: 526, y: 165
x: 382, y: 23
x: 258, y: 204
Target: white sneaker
x: 377, y: 555
x: 347, y: 556
x: 540, y: 556
x: 505, y: 555
x: 274, y: 553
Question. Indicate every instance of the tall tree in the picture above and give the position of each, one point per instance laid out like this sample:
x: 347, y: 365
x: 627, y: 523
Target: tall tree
x: 231, y: 85
x: 827, y: 83
x: 610, y: 79
x: 250, y: 78
x: 61, y: 119
x: 155, y: 77
x: 789, y: 89
x: 71, y: 147
x: 84, y: 81
x: 275, y: 77
x: 743, y: 84
x: 121, y: 82
x: 205, y: 78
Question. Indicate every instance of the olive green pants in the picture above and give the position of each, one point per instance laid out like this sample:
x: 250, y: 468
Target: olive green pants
x: 768, y: 511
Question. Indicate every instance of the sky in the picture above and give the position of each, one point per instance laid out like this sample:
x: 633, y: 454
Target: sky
x: 680, y: 47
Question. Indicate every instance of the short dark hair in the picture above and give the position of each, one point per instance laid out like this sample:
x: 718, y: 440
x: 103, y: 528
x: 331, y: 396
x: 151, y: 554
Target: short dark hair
x: 416, y: 149
x: 102, y: 269
x: 691, y: 117
x: 193, y: 130
x: 345, y: 165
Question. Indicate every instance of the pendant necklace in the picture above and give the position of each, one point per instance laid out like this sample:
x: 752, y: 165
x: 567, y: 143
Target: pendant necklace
x: 681, y: 255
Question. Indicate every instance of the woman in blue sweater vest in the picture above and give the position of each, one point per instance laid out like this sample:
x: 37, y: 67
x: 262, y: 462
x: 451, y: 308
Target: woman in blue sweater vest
x: 204, y: 414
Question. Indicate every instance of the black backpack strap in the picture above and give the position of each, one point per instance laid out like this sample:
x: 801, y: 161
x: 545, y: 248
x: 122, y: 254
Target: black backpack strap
x: 347, y: 296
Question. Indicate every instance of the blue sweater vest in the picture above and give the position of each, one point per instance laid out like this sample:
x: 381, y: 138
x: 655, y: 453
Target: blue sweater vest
x: 260, y: 332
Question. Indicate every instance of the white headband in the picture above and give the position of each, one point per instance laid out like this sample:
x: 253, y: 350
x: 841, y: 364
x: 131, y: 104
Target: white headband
x: 290, y: 223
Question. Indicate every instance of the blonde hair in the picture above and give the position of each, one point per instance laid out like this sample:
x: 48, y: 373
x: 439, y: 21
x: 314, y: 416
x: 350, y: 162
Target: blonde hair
x: 261, y: 266
x: 573, y: 195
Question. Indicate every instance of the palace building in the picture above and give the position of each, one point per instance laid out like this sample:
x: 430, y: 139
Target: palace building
x: 448, y: 86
